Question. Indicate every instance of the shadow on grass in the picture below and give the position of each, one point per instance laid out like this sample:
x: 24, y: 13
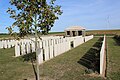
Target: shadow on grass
x: 31, y: 57
x: 117, y: 40
x: 91, y: 59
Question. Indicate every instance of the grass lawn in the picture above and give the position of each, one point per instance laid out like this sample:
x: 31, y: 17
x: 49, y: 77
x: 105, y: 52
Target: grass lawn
x: 66, y: 66
x: 12, y: 68
x: 113, y: 60
x: 62, y: 67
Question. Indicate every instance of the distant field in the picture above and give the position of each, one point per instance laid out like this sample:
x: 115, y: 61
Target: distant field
x: 4, y: 35
x: 93, y: 32
x: 101, y: 32
x: 88, y: 32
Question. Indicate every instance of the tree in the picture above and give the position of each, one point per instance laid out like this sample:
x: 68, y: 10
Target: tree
x: 33, y: 16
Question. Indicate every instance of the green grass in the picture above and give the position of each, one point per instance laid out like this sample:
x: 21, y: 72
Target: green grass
x: 66, y: 66
x: 113, y: 60
x: 12, y: 68
x: 62, y: 67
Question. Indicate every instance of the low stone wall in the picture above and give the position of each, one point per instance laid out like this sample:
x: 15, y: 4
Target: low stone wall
x: 103, y: 58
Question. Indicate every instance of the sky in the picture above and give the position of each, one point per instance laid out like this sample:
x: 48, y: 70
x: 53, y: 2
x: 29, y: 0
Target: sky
x: 91, y: 14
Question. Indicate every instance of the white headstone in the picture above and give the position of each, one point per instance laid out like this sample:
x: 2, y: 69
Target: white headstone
x: 1, y: 44
x: 40, y: 55
x: 33, y: 46
x: 23, y: 51
x: 28, y: 47
x: 9, y: 43
x: 17, y: 50
x: 51, y: 48
x: 5, y: 44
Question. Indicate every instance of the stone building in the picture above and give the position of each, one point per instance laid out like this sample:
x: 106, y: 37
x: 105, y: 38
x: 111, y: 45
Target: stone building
x: 75, y: 31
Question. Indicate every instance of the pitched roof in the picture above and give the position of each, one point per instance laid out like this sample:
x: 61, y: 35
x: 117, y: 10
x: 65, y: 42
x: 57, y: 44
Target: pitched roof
x: 74, y: 28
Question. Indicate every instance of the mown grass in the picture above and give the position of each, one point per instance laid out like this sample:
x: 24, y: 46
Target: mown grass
x: 66, y: 66
x: 12, y: 68
x: 113, y: 60
x: 62, y: 67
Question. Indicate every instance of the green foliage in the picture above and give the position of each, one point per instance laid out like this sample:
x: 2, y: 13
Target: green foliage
x: 33, y: 16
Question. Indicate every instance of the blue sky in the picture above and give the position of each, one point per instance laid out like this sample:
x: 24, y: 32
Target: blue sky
x: 91, y: 14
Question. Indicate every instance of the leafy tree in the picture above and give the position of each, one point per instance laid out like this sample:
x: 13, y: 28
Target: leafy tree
x: 33, y: 16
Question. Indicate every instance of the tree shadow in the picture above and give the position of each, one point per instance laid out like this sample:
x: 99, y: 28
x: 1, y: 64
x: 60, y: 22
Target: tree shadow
x: 91, y: 59
x: 117, y: 40
x: 31, y: 57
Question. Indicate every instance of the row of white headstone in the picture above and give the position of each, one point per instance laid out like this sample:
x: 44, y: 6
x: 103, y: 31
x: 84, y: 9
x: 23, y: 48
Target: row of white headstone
x: 48, y: 47
x: 103, y: 57
x: 11, y: 43
x: 87, y: 38
x: 7, y: 43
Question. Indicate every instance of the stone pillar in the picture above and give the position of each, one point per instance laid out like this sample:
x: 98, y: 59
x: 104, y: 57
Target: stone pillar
x: 13, y: 43
x: 65, y: 44
x: 23, y: 51
x: 66, y: 33
x: 55, y: 47
x: 28, y: 47
x: 17, y: 50
x: 61, y: 48
x: 46, y: 50
x: 51, y: 48
x: 40, y: 55
x: 9, y: 43
x: 77, y: 33
x: 0, y: 44
x: 83, y: 33
x: 59, y: 51
x: 5, y: 44
x: 71, y: 33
